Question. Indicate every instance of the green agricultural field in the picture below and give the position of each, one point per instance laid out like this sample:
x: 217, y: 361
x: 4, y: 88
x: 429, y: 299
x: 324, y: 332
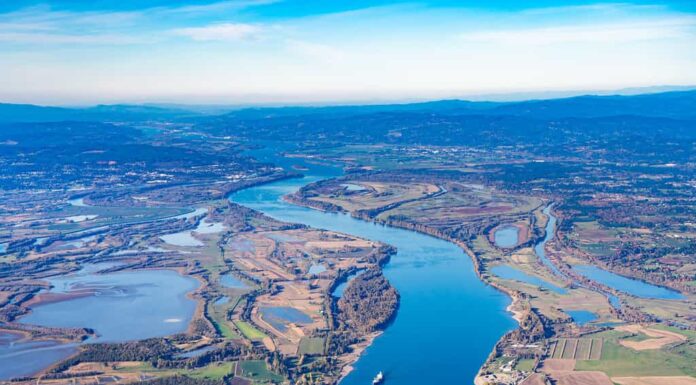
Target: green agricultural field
x: 218, y: 316
x: 249, y: 331
x: 691, y: 334
x: 525, y: 365
x: 214, y: 371
x: 617, y: 360
x: 257, y: 371
x: 311, y: 346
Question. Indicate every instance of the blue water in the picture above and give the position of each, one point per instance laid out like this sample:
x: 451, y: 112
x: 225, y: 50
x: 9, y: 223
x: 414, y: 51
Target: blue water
x: 507, y: 236
x: 221, y: 301
x: 195, y: 352
x: 614, y: 301
x: 448, y: 320
x: 508, y: 272
x: 581, y: 317
x: 232, y: 282
x: 23, y: 358
x: 341, y: 287
x: 539, y: 248
x: 317, y: 269
x: 626, y: 285
x: 126, y: 305
x: 280, y: 316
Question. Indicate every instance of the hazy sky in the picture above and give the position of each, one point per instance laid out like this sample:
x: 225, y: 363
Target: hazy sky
x: 287, y: 51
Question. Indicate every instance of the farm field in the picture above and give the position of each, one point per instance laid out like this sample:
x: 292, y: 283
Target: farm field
x: 258, y: 372
x: 249, y: 331
x: 367, y: 195
x: 620, y: 361
x: 311, y: 346
x: 576, y: 348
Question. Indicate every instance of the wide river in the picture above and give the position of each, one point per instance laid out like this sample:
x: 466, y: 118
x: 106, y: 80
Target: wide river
x: 448, y: 320
x: 447, y: 323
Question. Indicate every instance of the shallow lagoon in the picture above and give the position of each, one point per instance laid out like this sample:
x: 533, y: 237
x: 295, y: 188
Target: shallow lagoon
x: 121, y: 306
x: 183, y: 238
x: 626, y: 285
x: 23, y: 358
x: 124, y: 306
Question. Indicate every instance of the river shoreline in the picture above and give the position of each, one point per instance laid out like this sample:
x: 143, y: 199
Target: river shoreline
x: 514, y: 296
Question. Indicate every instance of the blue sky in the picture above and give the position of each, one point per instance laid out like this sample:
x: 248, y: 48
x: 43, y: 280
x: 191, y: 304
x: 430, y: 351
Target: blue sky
x: 286, y: 51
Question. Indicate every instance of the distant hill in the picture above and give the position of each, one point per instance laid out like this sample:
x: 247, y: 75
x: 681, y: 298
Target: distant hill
x: 681, y: 104
x: 676, y: 104
x: 28, y: 113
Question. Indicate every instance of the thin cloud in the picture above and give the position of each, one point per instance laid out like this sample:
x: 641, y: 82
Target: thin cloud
x: 43, y: 24
x: 213, y: 7
x: 221, y: 32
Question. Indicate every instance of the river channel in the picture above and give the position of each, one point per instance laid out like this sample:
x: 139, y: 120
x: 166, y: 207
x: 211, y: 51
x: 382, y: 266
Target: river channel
x: 448, y: 320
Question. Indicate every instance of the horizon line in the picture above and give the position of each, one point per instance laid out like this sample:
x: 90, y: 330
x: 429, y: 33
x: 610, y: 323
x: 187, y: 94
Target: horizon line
x: 495, y: 97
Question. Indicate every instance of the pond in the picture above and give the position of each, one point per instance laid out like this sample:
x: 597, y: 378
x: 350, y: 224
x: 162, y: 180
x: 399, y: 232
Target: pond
x: 183, y: 238
x: 581, y: 317
x: 232, y: 282
x: 280, y: 316
x: 195, y: 352
x: 353, y: 187
x: 317, y: 268
x: 507, y: 236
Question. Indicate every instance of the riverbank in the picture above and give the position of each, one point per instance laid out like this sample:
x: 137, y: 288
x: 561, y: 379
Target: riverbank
x: 518, y: 308
x: 441, y: 296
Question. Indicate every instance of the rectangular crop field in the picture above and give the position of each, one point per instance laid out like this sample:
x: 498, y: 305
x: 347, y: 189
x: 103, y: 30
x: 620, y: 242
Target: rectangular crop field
x: 576, y: 348
x: 570, y: 346
x: 596, y: 349
x: 311, y: 346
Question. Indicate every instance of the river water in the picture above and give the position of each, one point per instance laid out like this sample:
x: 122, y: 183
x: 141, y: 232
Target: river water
x: 448, y: 320
x: 446, y: 326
